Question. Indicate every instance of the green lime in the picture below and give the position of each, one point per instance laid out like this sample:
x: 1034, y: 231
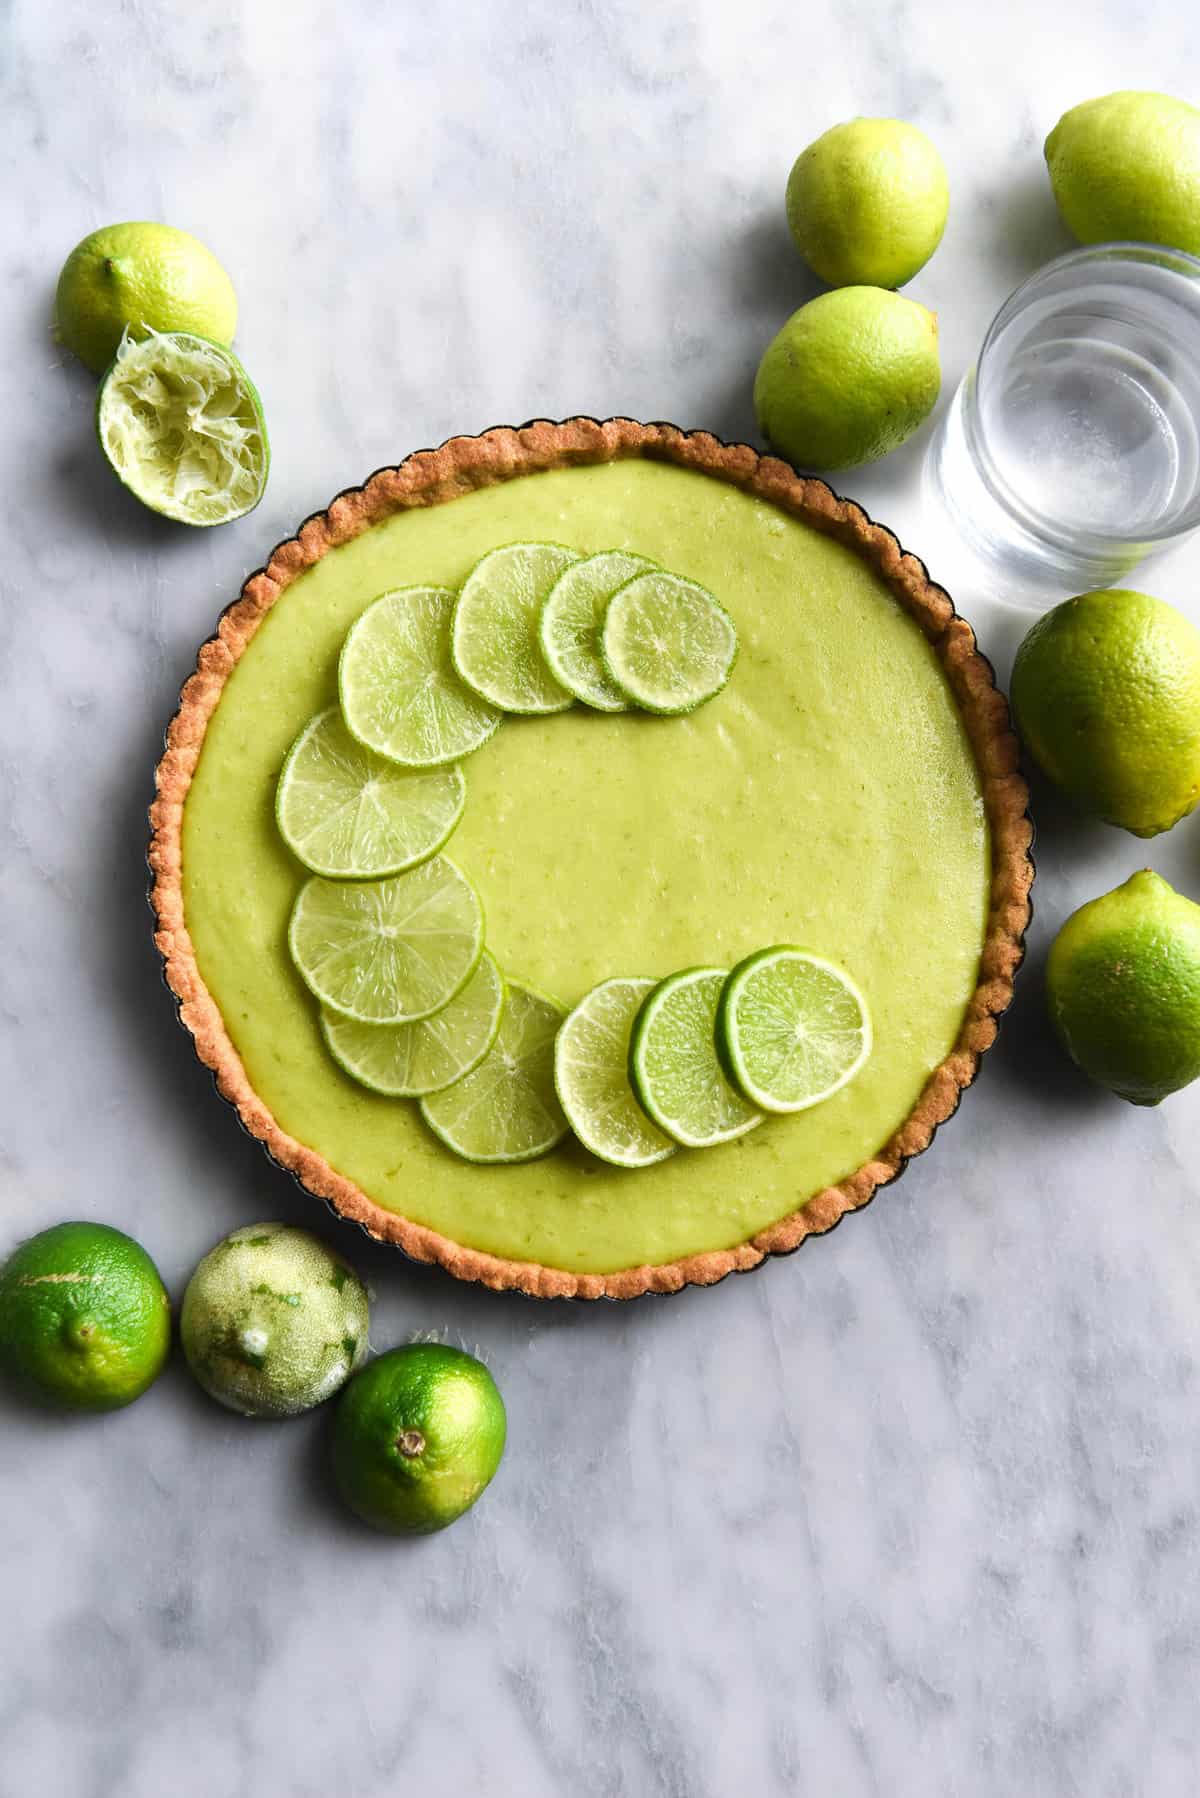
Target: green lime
x: 867, y: 203
x: 273, y: 1322
x: 591, y: 1073
x: 85, y: 1320
x: 674, y: 1067
x: 405, y: 1061
x: 399, y: 692
x: 507, y: 1109
x: 848, y: 378
x: 348, y: 813
x: 792, y: 1028
x: 1127, y: 167
x: 388, y: 951
x: 494, y: 640
x: 417, y: 1436
x: 1106, y: 692
x: 572, y: 619
x: 182, y: 427
x: 667, y: 644
x: 1123, y: 987
x: 140, y: 277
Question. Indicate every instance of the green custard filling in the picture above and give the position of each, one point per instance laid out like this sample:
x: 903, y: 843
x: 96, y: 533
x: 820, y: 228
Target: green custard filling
x: 828, y: 797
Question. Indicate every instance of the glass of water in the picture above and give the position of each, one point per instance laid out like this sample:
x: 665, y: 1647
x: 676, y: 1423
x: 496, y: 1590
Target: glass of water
x: 1072, y: 449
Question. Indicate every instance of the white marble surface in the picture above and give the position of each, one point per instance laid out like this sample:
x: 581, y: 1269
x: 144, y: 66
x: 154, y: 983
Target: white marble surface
x: 914, y: 1512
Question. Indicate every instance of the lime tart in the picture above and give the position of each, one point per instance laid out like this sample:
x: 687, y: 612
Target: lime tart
x: 833, y: 774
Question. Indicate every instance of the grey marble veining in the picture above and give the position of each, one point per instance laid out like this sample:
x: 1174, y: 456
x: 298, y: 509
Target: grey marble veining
x: 912, y: 1513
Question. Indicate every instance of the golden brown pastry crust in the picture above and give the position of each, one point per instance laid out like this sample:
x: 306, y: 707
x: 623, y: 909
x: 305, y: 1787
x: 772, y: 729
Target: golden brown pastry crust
x: 460, y: 466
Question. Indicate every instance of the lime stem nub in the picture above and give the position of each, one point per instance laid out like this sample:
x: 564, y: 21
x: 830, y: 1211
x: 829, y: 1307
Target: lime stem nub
x: 411, y: 1443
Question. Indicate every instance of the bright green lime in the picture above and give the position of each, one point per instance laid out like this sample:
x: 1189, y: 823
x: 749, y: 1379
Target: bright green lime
x: 495, y: 640
x: 140, y: 277
x: 667, y: 644
x: 388, y: 951
x: 867, y: 203
x: 1126, y: 167
x: 673, y: 1063
x: 85, y: 1320
x: 507, y: 1109
x: 792, y: 1028
x: 406, y: 1061
x: 399, y: 692
x: 572, y: 619
x: 591, y: 1073
x: 417, y: 1436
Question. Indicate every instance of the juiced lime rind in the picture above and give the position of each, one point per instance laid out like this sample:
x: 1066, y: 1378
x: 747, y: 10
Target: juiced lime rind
x: 667, y: 644
x: 408, y: 1061
x: 572, y: 619
x: 494, y: 638
x: 591, y: 1074
x: 507, y: 1110
x: 388, y: 951
x: 674, y: 1067
x: 399, y: 692
x: 349, y: 814
x: 181, y: 425
x: 792, y: 1028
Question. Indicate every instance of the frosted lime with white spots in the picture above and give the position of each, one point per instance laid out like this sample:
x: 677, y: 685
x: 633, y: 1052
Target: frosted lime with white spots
x: 792, y: 1028
x: 571, y: 621
x: 273, y: 1322
x: 406, y: 1061
x: 399, y: 692
x: 507, y: 1110
x: 347, y: 813
x: 388, y: 951
x: 674, y: 1067
x: 494, y: 640
x: 591, y: 1073
x: 667, y: 644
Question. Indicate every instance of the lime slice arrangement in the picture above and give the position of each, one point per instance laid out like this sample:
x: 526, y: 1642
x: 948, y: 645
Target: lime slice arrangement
x: 388, y: 933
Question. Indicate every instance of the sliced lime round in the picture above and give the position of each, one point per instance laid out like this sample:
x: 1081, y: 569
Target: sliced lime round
x: 406, y: 1061
x: 591, y: 1073
x: 347, y: 813
x: 673, y: 1063
x: 182, y: 426
x: 388, y: 951
x: 792, y: 1028
x: 667, y: 644
x: 507, y: 1110
x: 569, y: 632
x: 495, y: 636
x: 400, y: 695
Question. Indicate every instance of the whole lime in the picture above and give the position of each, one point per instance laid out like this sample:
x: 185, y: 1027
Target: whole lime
x: 85, y: 1320
x: 1123, y: 987
x: 1106, y: 692
x: 273, y: 1322
x: 1128, y: 166
x: 867, y: 203
x: 848, y: 378
x: 142, y: 277
x: 418, y: 1435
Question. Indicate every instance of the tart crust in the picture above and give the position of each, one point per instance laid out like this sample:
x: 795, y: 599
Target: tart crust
x: 460, y: 466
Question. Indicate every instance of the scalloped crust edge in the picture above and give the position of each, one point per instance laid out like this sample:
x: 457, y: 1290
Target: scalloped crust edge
x: 460, y: 466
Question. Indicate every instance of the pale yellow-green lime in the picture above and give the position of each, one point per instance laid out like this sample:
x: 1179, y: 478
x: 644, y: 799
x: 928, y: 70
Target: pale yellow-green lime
x: 1123, y: 988
x: 867, y: 203
x: 1106, y: 692
x: 140, y: 277
x: 848, y: 378
x: 273, y: 1321
x: 417, y: 1436
x: 1127, y: 166
x: 85, y: 1321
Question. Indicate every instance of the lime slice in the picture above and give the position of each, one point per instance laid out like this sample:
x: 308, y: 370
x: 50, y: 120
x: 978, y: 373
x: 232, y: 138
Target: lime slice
x: 571, y: 621
x: 507, y: 1110
x: 400, y: 695
x: 673, y: 1063
x: 591, y: 1072
x: 792, y: 1028
x: 405, y: 1061
x: 388, y: 951
x: 347, y: 813
x: 182, y: 426
x: 495, y: 637
x: 667, y: 644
